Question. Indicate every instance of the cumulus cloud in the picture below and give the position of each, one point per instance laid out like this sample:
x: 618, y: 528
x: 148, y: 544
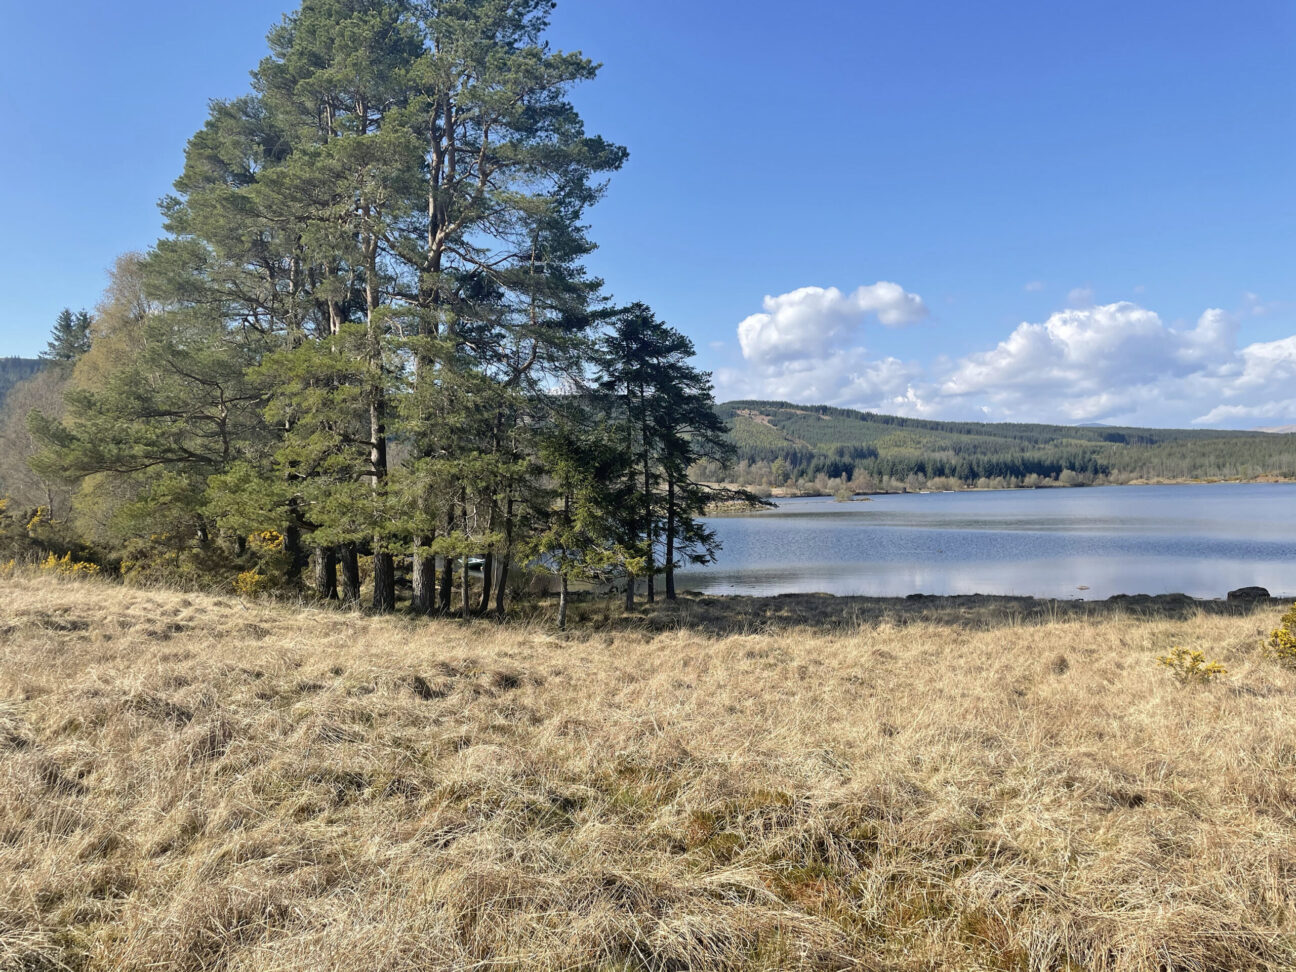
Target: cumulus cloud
x: 807, y: 322
x: 805, y: 347
x: 848, y: 377
x: 1113, y: 363
x: 1091, y: 353
x: 1236, y: 414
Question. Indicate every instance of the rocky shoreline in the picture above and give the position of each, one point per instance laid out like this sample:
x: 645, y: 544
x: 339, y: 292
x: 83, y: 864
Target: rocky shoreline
x: 729, y: 611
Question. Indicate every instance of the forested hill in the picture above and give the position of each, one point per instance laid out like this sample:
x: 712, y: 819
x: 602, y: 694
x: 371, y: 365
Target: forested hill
x: 14, y: 370
x: 784, y: 445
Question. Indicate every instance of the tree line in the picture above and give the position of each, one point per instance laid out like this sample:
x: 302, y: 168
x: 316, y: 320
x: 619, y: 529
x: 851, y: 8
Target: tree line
x: 367, y: 342
x: 779, y: 444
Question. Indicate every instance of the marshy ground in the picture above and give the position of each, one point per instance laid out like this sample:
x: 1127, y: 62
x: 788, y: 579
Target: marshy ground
x: 194, y: 782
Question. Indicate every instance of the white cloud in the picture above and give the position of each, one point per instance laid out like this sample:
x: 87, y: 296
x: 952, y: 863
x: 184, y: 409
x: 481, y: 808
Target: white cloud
x: 849, y: 378
x: 807, y: 322
x: 1110, y: 362
x: 803, y: 347
x: 1233, y: 414
x: 1034, y: 287
x: 1117, y: 363
x: 1086, y: 352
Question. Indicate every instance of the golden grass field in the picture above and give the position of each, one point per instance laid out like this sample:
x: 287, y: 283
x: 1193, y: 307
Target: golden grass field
x: 189, y: 782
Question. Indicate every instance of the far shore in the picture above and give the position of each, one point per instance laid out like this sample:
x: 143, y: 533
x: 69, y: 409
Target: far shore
x: 862, y: 495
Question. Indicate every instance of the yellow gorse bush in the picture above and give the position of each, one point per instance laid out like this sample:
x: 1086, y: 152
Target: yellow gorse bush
x: 68, y: 567
x: 252, y: 582
x: 1281, y: 646
x: 42, y: 515
x: 1190, y: 665
x: 270, y: 540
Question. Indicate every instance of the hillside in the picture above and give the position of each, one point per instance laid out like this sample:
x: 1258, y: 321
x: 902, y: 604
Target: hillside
x: 14, y: 370
x: 782, y: 444
x: 189, y: 782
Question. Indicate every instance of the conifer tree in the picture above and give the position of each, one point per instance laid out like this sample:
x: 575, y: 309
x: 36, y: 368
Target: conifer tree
x: 578, y: 535
x: 665, y: 411
x: 70, y: 337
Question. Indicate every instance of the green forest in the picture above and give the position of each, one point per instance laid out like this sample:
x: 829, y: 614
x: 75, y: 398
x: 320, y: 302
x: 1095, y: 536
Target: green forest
x: 366, y: 352
x: 823, y: 449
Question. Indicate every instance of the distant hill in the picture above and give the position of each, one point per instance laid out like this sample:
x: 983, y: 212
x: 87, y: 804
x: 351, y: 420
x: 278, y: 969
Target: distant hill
x: 14, y: 370
x: 783, y: 444
x: 1279, y: 429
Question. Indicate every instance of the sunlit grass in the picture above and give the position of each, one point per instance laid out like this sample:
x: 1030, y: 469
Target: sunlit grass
x: 190, y: 782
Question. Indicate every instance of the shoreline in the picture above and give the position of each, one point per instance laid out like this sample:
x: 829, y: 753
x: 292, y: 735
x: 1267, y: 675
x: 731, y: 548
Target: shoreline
x: 718, y: 613
x: 784, y: 492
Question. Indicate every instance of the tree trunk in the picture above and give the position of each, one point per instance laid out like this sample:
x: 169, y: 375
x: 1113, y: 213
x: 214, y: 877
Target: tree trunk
x: 326, y: 584
x: 384, y: 575
x: 507, y: 560
x: 384, y: 582
x: 488, y: 579
x: 670, y: 537
x: 298, y: 559
x: 447, y: 572
x: 463, y: 587
x: 562, y: 602
x: 423, y: 577
x: 349, y: 561
x: 445, y: 585
x: 648, y: 503
x: 648, y: 535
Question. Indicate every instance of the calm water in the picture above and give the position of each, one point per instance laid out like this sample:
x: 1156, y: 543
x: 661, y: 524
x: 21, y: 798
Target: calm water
x: 1201, y: 540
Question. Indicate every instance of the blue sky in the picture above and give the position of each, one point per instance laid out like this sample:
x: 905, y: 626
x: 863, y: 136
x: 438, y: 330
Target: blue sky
x: 1080, y: 212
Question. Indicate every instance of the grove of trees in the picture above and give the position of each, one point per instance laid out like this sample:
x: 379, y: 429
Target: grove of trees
x: 367, y: 347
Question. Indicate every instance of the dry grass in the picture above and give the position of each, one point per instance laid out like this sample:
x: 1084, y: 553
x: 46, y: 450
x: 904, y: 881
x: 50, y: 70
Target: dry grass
x: 188, y: 783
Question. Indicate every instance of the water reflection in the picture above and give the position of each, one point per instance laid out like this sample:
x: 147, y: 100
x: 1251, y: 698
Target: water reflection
x: 1092, y: 543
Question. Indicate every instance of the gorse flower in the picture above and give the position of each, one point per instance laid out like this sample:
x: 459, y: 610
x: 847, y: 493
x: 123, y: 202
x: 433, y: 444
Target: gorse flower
x: 252, y: 582
x: 269, y: 540
x: 68, y: 567
x: 1190, y: 665
x: 1281, y: 646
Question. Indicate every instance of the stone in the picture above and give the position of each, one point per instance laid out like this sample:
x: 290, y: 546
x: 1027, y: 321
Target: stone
x: 1249, y: 594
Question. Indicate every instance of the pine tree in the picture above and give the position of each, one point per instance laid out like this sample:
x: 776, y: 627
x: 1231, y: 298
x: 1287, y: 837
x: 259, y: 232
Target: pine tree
x: 161, y: 404
x: 70, y: 338
x: 665, y: 410
x: 635, y: 356
x: 578, y: 534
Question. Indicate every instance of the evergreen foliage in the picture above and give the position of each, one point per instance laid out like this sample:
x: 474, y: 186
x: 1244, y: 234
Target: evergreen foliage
x: 779, y: 444
x: 357, y: 334
x: 70, y: 338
